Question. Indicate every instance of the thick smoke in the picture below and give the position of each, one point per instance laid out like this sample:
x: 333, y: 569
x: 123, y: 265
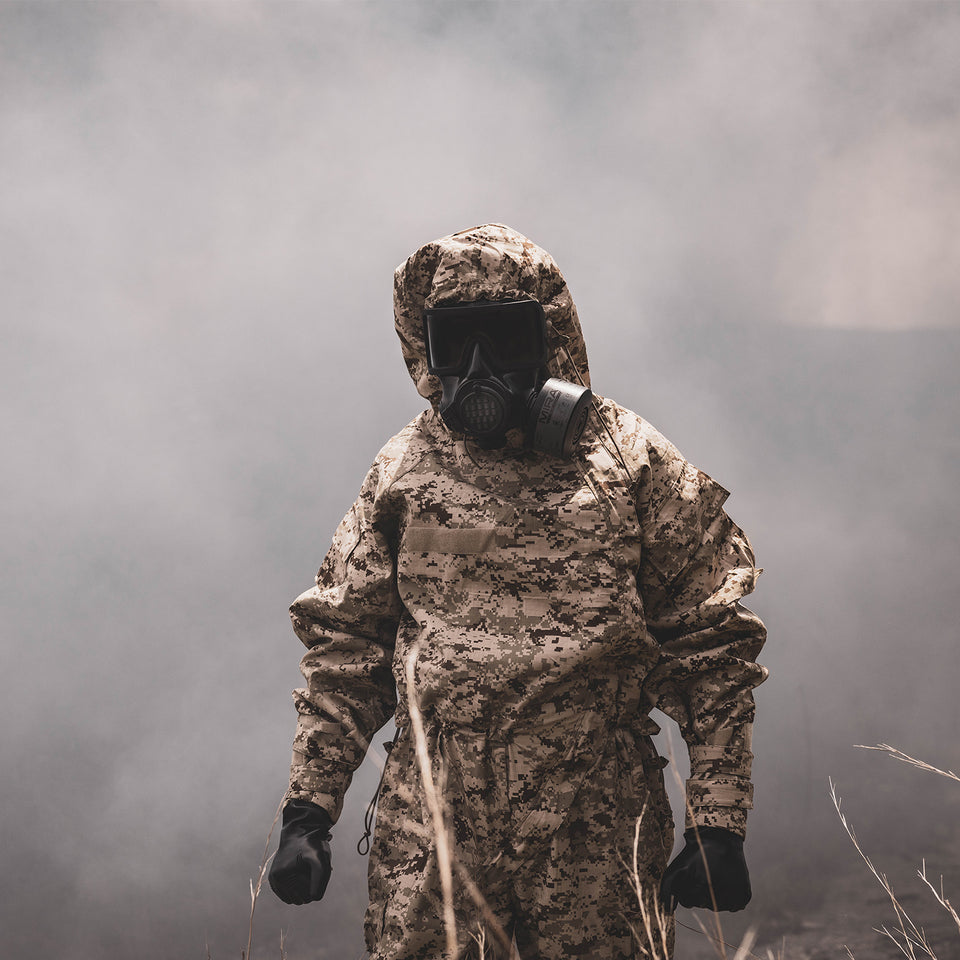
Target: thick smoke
x: 756, y: 207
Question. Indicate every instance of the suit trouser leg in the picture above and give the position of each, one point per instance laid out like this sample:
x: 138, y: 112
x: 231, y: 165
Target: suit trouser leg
x: 580, y: 898
x: 404, y: 919
x: 570, y: 893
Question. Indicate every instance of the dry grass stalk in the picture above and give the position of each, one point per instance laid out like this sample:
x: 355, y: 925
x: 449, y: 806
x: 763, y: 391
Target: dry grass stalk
x: 743, y: 951
x: 907, y: 936
x: 719, y: 944
x: 652, y: 913
x: 489, y: 918
x: 940, y: 897
x: 255, y: 890
x: 480, y: 938
x: 906, y: 758
x: 434, y: 805
x: 445, y: 855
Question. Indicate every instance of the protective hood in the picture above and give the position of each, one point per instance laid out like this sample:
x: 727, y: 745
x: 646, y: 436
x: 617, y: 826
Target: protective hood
x: 489, y: 262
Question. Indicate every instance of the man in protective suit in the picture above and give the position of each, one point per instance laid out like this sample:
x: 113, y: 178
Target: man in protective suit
x: 560, y: 570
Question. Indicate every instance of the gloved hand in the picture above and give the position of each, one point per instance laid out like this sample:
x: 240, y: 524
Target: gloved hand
x: 685, y: 880
x: 301, y: 869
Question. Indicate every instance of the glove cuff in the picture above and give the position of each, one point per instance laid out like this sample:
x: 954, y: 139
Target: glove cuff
x: 712, y: 833
x: 302, y: 816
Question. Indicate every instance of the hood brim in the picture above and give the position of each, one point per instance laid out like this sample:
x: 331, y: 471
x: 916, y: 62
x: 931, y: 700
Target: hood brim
x: 488, y: 262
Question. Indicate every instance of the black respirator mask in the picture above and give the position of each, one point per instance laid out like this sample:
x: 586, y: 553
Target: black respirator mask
x: 490, y: 357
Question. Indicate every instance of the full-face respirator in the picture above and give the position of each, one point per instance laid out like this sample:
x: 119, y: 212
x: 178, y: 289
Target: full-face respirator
x: 491, y: 357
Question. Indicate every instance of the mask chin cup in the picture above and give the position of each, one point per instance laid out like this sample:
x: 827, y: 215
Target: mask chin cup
x: 558, y: 417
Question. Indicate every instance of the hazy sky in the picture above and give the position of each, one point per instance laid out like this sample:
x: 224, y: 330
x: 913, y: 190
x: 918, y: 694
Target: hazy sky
x: 757, y: 209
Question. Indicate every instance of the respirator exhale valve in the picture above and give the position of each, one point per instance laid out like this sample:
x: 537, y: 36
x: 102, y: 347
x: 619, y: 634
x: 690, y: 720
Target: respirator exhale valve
x: 483, y: 409
x: 491, y: 359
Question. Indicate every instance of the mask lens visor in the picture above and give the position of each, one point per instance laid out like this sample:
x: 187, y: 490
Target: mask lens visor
x: 513, y: 332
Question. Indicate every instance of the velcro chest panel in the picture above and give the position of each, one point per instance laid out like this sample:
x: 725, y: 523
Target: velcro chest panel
x: 525, y: 535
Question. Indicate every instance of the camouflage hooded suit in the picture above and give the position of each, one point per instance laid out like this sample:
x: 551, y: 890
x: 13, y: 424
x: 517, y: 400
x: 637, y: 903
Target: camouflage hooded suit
x: 553, y: 603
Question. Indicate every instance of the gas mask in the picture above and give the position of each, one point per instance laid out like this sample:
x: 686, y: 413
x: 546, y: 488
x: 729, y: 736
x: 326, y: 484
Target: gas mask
x: 490, y: 357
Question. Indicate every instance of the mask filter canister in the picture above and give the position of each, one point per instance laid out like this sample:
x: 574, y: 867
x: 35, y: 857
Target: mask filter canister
x: 558, y: 416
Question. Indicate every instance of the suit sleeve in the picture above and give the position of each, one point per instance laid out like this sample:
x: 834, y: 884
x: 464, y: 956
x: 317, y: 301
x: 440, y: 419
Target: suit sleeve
x: 697, y: 566
x: 348, y: 622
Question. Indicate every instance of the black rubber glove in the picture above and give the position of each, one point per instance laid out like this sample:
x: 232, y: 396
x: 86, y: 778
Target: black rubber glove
x: 300, y: 871
x: 685, y: 880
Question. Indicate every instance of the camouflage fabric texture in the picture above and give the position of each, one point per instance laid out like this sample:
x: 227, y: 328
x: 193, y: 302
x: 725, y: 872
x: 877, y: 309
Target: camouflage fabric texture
x: 553, y: 605
x: 559, y: 885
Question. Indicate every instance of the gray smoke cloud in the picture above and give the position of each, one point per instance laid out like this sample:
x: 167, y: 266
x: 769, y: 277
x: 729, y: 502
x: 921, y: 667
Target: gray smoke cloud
x: 756, y: 207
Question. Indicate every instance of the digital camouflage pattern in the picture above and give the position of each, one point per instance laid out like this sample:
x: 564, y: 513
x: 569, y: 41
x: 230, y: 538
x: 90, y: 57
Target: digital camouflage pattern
x: 556, y: 885
x: 553, y: 605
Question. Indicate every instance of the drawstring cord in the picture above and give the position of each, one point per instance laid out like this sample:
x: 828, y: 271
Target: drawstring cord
x: 599, y: 413
x: 363, y: 844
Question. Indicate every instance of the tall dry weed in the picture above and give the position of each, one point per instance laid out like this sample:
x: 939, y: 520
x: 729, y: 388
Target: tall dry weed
x: 439, y: 822
x: 910, y: 939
